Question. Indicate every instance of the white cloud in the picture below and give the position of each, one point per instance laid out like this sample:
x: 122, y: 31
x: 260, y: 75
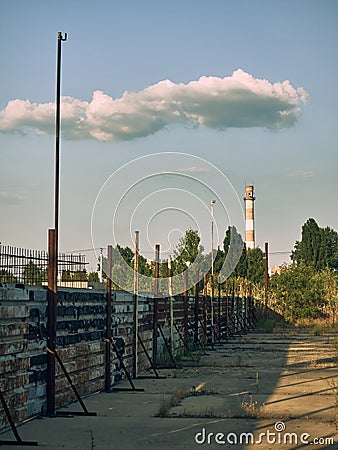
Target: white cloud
x: 301, y: 174
x: 238, y: 101
x: 193, y: 169
x: 12, y: 197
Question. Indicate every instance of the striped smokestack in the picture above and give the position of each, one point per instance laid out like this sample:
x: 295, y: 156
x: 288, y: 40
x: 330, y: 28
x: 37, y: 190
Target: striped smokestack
x: 249, y: 217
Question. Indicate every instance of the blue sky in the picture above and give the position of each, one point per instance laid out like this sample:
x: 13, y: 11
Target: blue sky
x: 117, y: 47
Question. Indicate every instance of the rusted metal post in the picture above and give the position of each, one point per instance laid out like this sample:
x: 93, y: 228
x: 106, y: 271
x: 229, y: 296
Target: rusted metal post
x: 205, y: 307
x: 51, y: 322
x: 219, y: 322
x: 107, y: 380
x: 196, y: 309
x: 266, y: 273
x: 135, y: 312
x: 155, y: 312
x: 171, y: 305
x: 185, y: 307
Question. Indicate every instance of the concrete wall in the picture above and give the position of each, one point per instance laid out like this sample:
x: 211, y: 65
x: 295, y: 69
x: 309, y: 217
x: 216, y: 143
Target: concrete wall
x: 81, y: 319
x: 80, y: 343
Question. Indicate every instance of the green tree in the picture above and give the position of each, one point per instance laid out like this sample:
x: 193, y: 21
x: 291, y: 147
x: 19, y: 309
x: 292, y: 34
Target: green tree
x: 318, y: 246
x: 233, y: 238
x: 93, y: 277
x: 328, y: 281
x: 219, y: 260
x: 33, y: 274
x: 188, y: 250
x: 80, y: 275
x: 297, y: 291
x: 66, y: 275
x: 7, y: 277
x: 255, y: 264
x: 127, y: 254
x: 329, y: 248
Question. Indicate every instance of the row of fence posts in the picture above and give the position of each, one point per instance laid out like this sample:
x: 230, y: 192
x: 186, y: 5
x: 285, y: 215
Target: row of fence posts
x: 214, y: 322
x: 234, y: 316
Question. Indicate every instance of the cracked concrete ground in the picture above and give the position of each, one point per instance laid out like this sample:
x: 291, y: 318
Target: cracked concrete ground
x: 279, y: 389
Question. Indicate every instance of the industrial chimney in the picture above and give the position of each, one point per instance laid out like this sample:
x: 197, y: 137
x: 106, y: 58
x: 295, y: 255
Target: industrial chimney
x: 249, y: 217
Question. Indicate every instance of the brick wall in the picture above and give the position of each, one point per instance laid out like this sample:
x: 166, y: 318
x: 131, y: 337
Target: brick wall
x: 81, y: 319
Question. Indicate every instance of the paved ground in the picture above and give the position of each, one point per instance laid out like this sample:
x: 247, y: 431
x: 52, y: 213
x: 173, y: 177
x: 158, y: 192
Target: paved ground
x: 263, y: 385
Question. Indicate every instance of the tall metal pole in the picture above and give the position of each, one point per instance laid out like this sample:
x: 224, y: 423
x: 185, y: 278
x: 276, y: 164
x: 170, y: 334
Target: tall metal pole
x: 53, y: 245
x: 57, y: 140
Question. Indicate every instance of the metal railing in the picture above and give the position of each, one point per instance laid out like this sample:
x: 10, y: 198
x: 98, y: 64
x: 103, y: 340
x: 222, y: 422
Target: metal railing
x: 23, y: 266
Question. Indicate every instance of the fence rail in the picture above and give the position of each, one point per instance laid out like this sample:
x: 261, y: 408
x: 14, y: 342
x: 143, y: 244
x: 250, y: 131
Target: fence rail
x: 19, y: 265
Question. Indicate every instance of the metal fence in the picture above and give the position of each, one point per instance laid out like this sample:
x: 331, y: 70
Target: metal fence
x: 19, y: 265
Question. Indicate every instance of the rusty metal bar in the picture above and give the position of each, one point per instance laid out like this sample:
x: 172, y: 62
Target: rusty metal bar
x: 196, y: 310
x: 119, y: 356
x: 155, y: 310
x: 72, y: 385
x: 171, y: 305
x: 219, y: 312
x: 185, y: 308
x: 135, y: 309
x: 18, y: 441
x: 51, y: 322
x: 107, y: 377
x: 167, y: 345
x: 148, y: 358
x: 266, y: 273
x: 205, y: 332
x: 205, y: 307
x: 185, y: 345
x: 157, y: 269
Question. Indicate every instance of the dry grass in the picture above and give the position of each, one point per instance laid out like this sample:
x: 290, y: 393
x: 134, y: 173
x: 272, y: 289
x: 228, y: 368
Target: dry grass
x: 180, y: 394
x: 175, y: 399
x: 317, y: 327
x: 250, y: 408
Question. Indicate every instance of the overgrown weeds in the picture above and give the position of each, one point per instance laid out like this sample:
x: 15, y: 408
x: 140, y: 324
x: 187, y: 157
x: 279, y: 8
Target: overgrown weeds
x: 317, y: 327
x: 180, y: 394
x: 250, y: 408
x: 265, y: 325
x: 175, y: 399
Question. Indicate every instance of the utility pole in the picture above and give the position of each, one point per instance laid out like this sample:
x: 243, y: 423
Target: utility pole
x: 53, y: 246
